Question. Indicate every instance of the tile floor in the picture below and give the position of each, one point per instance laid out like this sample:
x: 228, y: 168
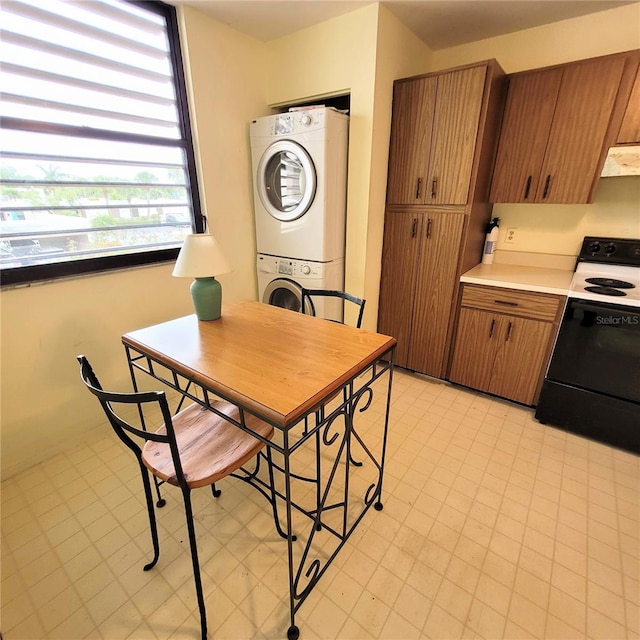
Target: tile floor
x: 494, y: 527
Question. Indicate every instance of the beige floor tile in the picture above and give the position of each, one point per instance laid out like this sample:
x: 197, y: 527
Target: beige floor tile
x: 441, y: 624
x: 385, y: 586
x: 413, y: 606
x: 397, y: 627
x: 462, y: 574
x: 485, y: 621
x: 602, y: 627
x: 493, y: 527
x: 353, y: 631
x: 453, y: 599
x: 632, y: 618
x: 524, y: 613
x: 605, y: 601
x: 556, y: 628
x: 569, y: 582
x: 470, y: 552
x: 494, y: 594
x: 325, y: 619
x: 499, y: 569
x: 370, y: 613
x: 567, y: 608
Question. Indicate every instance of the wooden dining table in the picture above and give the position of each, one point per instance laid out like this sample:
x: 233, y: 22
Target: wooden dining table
x: 315, y: 381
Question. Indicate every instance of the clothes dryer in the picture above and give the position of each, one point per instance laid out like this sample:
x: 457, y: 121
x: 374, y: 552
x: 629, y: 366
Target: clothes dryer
x: 280, y: 283
x: 299, y: 164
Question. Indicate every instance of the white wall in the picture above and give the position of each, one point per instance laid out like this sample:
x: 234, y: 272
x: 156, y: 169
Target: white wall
x: 45, y: 407
x: 596, y: 34
x: 227, y: 75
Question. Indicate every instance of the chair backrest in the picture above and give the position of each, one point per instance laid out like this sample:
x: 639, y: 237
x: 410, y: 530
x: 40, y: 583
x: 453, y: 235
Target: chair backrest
x: 152, y: 401
x: 309, y: 294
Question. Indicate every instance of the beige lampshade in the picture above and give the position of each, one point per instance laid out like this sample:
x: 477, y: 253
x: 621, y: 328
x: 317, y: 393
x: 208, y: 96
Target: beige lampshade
x: 200, y: 257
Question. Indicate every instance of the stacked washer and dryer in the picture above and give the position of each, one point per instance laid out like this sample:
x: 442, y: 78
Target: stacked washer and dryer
x: 300, y: 184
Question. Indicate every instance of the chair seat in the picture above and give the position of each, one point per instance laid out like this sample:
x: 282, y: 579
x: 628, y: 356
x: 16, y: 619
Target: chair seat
x: 210, y: 447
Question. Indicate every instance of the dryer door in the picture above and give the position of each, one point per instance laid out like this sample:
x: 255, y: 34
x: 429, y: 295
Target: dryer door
x: 285, y: 293
x: 286, y: 180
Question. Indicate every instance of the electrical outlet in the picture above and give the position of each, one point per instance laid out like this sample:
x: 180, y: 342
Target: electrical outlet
x: 511, y: 235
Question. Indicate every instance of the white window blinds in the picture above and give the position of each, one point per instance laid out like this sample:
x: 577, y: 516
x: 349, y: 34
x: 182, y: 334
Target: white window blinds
x: 96, y: 152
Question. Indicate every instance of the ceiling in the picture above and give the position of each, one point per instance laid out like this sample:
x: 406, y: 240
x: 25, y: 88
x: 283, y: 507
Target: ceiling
x: 438, y: 23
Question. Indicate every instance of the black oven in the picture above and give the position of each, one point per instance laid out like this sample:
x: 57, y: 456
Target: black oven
x: 592, y: 386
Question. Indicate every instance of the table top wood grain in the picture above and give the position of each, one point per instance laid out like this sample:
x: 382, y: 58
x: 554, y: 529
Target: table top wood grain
x: 276, y: 363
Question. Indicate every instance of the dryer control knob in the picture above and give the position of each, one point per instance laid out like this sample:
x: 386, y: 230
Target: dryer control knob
x: 305, y: 119
x: 306, y: 269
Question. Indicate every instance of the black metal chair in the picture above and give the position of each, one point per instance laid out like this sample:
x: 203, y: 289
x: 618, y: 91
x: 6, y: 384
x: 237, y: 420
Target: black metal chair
x: 194, y: 448
x: 308, y: 307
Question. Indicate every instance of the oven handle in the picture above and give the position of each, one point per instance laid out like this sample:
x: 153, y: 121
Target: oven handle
x: 631, y: 317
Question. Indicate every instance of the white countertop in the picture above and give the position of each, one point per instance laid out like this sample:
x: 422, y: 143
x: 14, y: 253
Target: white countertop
x: 510, y: 276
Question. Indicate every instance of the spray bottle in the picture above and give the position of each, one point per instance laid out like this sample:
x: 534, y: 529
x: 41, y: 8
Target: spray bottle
x: 490, y: 241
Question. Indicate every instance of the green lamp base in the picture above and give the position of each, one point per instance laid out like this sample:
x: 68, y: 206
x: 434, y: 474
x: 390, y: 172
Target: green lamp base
x: 206, y: 294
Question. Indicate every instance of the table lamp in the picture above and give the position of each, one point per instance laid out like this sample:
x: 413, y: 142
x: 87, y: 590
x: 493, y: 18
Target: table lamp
x: 201, y: 258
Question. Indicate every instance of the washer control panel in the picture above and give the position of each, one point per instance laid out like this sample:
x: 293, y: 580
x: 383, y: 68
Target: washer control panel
x: 286, y: 124
x: 290, y: 268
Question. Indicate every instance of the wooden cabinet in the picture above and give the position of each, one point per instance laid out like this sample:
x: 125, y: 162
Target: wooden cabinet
x: 503, y: 341
x: 419, y: 277
x: 413, y: 106
x: 555, y: 132
x: 433, y: 137
x: 443, y: 137
x: 630, y: 127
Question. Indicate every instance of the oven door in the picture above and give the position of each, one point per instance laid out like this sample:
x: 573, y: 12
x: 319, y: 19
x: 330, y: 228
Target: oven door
x: 598, y: 349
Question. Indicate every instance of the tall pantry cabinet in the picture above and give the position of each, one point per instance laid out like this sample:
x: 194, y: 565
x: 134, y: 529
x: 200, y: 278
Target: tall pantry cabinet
x: 443, y: 139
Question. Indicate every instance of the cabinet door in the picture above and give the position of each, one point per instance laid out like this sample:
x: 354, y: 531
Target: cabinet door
x: 455, y: 130
x: 521, y: 348
x: 475, y: 348
x: 413, y: 105
x: 630, y: 127
x: 583, y: 111
x: 531, y: 100
x: 437, y: 271
x: 402, y: 233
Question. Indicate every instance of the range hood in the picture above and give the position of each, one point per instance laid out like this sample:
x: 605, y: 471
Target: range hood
x: 622, y: 161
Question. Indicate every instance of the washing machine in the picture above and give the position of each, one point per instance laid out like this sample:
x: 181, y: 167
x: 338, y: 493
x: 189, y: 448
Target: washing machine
x: 280, y: 283
x: 299, y: 161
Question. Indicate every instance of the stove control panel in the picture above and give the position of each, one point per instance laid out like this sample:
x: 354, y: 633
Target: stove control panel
x: 624, y: 251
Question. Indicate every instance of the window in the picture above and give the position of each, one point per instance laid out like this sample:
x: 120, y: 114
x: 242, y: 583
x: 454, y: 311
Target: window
x: 96, y: 157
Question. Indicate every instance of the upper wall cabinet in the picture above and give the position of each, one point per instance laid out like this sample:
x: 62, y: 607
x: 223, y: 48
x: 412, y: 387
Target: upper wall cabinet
x: 433, y: 137
x: 555, y: 132
x: 630, y: 128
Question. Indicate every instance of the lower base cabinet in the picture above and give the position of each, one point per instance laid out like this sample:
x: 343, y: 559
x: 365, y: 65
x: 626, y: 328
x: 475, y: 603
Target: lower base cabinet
x: 503, y: 341
x: 417, y: 287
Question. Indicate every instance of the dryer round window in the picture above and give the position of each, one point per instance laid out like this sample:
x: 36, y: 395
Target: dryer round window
x: 286, y: 180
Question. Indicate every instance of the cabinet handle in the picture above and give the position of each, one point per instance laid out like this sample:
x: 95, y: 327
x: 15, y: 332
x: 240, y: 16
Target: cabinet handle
x: 508, y: 303
x: 509, y: 332
x: 527, y: 188
x: 428, y: 227
x: 547, y: 183
x: 418, y: 187
x: 434, y: 184
x: 414, y: 227
x: 491, y: 328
